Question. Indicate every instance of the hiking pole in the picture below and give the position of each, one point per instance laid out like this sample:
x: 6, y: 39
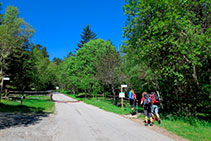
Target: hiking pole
x: 136, y: 107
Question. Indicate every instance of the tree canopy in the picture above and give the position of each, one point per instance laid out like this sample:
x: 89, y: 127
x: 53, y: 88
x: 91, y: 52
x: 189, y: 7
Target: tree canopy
x: 170, y: 41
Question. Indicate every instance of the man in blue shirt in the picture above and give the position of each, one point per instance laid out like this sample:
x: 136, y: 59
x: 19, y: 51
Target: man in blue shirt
x: 132, y: 98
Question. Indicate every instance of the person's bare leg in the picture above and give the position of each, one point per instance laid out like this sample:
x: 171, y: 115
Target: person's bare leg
x: 151, y: 121
x: 158, y: 118
x: 153, y: 116
x: 146, y: 119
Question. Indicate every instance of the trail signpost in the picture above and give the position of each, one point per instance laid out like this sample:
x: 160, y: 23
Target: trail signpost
x: 124, y: 86
x: 122, y: 94
x: 6, y: 78
x: 2, y: 83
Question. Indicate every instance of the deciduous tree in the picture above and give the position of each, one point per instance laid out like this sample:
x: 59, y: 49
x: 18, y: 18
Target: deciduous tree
x: 107, y: 69
x: 14, y: 36
x: 169, y: 40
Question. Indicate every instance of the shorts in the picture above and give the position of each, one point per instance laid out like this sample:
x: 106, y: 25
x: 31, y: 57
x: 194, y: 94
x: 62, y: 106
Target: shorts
x: 132, y: 103
x: 154, y: 109
x: 147, y: 111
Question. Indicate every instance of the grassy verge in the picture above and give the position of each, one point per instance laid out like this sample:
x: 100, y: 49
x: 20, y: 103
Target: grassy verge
x: 30, y: 105
x: 185, y: 129
x: 190, y: 128
x: 108, y: 106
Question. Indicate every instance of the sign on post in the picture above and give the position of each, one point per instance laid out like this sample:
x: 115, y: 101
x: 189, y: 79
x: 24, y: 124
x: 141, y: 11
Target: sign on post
x: 6, y: 78
x: 124, y: 86
x: 57, y: 87
x: 121, y: 95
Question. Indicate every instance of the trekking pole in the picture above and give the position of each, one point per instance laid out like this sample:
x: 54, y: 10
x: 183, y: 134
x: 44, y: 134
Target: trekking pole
x: 136, y: 107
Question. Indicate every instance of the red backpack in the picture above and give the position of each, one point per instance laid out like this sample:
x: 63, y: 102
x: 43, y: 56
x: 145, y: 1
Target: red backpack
x: 155, y: 95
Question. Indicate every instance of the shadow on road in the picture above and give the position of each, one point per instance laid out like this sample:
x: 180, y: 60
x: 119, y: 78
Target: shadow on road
x: 8, y: 120
x: 19, y: 115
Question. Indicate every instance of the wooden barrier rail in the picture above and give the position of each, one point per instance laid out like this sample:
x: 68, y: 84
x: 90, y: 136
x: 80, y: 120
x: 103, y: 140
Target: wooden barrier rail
x: 30, y: 92
x: 21, y: 94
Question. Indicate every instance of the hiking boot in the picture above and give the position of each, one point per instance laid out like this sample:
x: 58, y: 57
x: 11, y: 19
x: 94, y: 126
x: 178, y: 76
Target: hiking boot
x: 151, y: 124
x: 159, y: 121
x: 146, y: 124
x: 132, y: 113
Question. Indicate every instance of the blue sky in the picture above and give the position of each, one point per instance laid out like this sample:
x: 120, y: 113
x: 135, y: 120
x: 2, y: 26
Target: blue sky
x: 59, y: 23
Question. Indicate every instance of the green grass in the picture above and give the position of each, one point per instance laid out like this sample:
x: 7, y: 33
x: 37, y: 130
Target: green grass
x: 193, y: 131
x: 28, y: 106
x: 107, y: 106
x: 190, y: 128
x: 37, y: 97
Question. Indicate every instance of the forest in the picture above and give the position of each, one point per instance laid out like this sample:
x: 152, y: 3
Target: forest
x: 166, y: 48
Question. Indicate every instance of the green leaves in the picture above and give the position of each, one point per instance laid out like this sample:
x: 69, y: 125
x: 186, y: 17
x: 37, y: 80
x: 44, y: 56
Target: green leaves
x: 44, y: 71
x: 86, y: 59
x: 79, y: 73
x: 14, y: 45
x: 167, y: 39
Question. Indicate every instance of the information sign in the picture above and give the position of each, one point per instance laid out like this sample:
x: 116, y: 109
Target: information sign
x: 122, y: 95
x: 6, y: 78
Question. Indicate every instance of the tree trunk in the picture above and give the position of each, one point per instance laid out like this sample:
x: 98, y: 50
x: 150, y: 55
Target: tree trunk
x: 2, y: 81
x: 194, y: 71
x: 73, y: 90
x: 195, y: 76
x: 114, y: 94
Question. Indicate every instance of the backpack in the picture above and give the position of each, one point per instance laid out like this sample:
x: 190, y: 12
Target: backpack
x: 155, y: 96
x: 130, y: 95
x: 147, y: 99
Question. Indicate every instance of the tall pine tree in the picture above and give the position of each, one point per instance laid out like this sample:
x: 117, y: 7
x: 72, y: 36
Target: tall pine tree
x: 86, y: 35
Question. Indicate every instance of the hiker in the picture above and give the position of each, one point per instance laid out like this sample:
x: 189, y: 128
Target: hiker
x: 154, y: 107
x: 146, y: 100
x: 132, y: 98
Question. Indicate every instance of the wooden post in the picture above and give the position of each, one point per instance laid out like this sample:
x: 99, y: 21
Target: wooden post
x: 21, y: 99
x: 2, y: 82
x: 51, y: 95
x: 121, y: 99
x: 6, y: 92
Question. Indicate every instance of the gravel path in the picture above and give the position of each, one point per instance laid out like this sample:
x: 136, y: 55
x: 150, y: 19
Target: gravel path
x: 74, y: 121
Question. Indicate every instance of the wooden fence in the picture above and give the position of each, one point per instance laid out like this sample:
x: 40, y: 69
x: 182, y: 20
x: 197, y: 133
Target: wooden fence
x: 20, y: 95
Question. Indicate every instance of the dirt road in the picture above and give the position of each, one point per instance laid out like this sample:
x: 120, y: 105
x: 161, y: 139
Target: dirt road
x: 76, y: 121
